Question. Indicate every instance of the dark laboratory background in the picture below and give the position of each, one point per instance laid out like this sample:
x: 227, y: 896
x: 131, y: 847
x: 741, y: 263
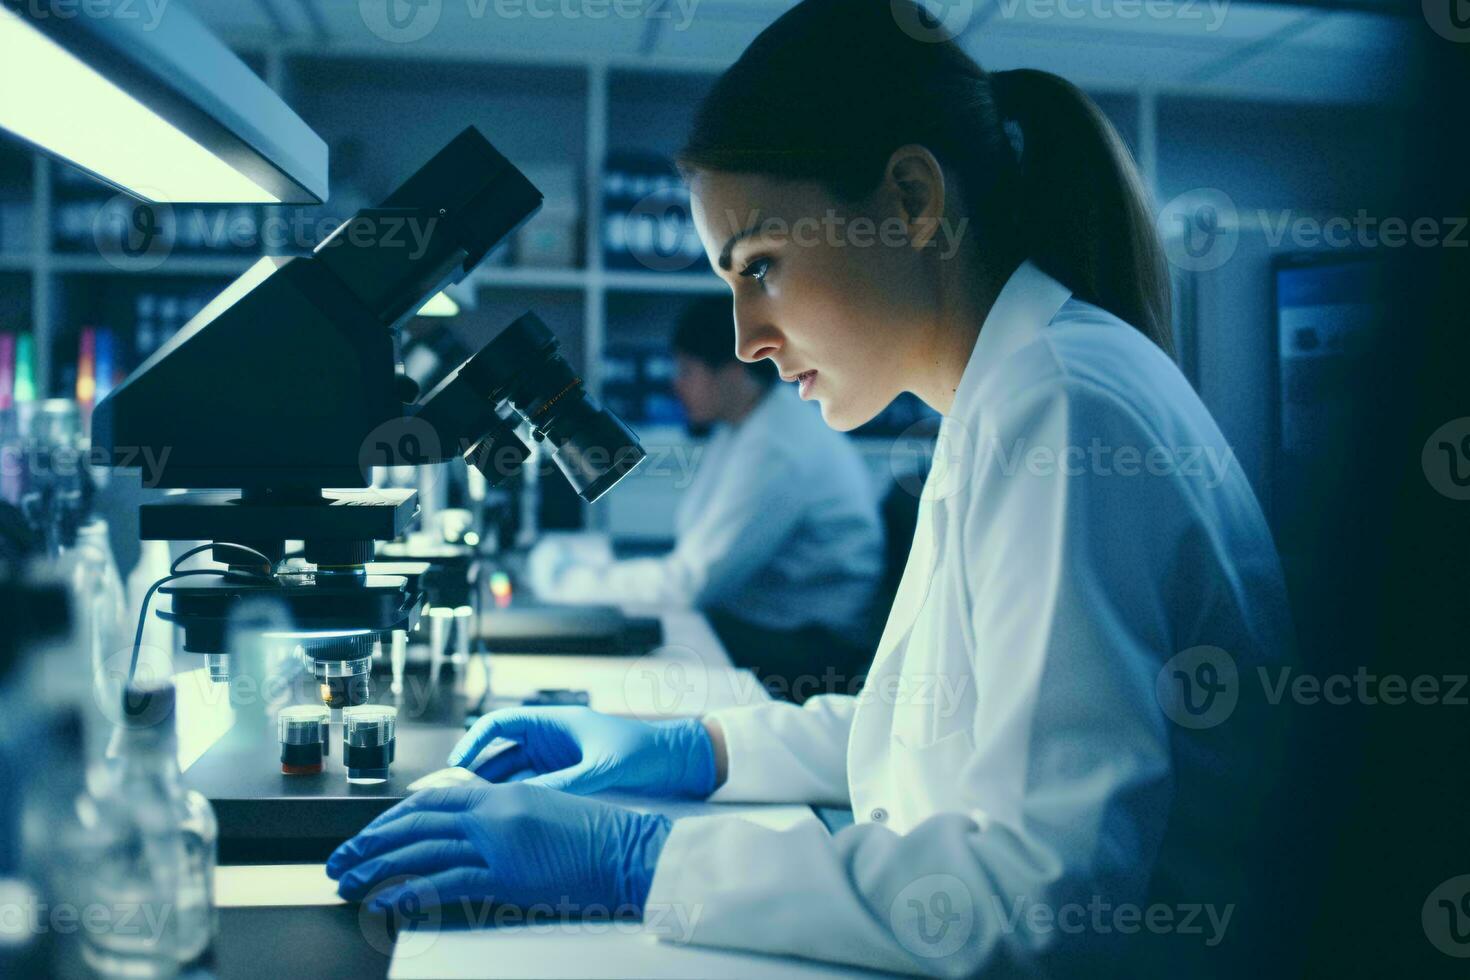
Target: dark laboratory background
x: 1328, y: 360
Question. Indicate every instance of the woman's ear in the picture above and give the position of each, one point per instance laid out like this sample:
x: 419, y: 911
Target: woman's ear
x: 915, y: 177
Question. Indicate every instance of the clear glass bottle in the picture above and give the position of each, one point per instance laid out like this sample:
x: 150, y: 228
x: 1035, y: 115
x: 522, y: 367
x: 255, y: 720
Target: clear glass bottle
x: 26, y: 939
x: 61, y: 842
x: 201, y: 855
x: 99, y: 604
x: 161, y: 846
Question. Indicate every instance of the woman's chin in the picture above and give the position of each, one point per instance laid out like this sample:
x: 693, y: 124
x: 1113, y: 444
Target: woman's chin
x: 842, y: 417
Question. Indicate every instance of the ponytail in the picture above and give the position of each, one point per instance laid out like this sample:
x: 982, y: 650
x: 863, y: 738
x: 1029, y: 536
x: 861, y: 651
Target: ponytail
x: 833, y: 87
x: 1082, y: 214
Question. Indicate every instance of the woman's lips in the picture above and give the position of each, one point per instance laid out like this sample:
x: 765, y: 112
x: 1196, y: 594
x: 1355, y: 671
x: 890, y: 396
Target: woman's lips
x: 804, y: 379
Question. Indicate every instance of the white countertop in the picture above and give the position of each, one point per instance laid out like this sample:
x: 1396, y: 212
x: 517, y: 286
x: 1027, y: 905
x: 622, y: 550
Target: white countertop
x: 688, y: 675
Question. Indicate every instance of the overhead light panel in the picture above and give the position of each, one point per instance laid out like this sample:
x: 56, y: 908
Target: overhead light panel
x: 147, y: 99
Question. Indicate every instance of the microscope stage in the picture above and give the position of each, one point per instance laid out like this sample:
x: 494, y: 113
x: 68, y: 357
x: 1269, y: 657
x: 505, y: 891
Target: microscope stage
x: 271, y: 818
x: 364, y: 515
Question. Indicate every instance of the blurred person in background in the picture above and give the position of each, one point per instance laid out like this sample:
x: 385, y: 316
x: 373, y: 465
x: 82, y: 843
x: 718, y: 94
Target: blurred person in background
x: 778, y: 539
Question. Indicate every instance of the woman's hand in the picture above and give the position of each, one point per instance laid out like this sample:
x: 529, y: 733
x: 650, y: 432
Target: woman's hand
x: 515, y: 845
x: 580, y: 751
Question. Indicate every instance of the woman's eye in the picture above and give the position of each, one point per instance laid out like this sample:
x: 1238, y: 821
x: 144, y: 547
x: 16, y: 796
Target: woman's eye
x: 757, y: 270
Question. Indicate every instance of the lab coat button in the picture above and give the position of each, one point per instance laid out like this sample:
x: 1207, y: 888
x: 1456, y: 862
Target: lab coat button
x: 879, y: 814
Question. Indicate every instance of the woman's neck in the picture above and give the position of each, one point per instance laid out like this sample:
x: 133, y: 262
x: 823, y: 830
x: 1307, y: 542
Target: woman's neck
x: 967, y: 291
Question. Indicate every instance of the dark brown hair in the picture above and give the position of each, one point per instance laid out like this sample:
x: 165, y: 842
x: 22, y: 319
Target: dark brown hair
x: 833, y: 87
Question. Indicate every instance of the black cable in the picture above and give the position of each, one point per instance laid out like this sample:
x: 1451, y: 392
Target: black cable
x: 174, y: 575
x: 207, y: 547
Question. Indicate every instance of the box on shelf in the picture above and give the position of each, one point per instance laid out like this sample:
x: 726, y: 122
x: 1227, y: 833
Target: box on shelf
x: 549, y: 240
x: 647, y: 222
x: 15, y: 227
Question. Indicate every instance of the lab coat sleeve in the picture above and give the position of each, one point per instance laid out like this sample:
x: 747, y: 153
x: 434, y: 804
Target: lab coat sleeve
x: 1069, y: 588
x: 781, y: 753
x: 747, y: 519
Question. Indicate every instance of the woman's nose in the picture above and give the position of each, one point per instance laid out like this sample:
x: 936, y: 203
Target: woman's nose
x: 755, y: 339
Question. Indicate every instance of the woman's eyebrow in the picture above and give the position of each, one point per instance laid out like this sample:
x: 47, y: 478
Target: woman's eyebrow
x: 735, y: 239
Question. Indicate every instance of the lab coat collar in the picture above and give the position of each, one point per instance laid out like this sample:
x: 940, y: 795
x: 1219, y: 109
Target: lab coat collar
x: 1028, y: 301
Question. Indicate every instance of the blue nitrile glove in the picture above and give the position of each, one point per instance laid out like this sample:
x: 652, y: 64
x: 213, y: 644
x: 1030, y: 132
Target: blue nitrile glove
x: 515, y: 845
x: 578, y: 750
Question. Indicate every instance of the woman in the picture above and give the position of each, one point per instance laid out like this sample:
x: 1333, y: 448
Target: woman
x: 1057, y: 754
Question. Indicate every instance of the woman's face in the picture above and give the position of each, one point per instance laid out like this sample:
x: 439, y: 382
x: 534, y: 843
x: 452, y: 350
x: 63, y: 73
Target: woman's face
x: 830, y: 291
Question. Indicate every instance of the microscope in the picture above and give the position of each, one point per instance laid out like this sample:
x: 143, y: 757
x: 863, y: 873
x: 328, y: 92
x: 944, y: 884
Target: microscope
x: 274, y: 404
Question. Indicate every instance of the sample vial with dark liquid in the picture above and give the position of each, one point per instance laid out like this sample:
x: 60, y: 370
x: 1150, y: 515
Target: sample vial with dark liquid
x: 368, y: 739
x: 304, y: 730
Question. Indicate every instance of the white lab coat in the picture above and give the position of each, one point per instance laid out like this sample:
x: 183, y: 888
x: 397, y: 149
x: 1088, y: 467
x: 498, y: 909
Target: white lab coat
x: 1011, y: 750
x: 779, y: 527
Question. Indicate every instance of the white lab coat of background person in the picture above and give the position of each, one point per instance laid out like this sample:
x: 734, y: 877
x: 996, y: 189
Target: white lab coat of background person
x: 779, y: 527
x: 1015, y: 747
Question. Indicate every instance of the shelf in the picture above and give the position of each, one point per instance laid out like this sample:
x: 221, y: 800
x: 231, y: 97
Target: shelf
x: 15, y: 303
x: 512, y: 278
x: 382, y: 126
x: 383, y: 112
x: 653, y: 112
x: 183, y: 265
x: 664, y: 282
x: 612, y: 281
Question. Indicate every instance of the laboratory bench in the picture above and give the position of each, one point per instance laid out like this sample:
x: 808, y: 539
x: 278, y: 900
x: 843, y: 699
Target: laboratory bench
x: 266, y: 816
x: 279, y: 914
